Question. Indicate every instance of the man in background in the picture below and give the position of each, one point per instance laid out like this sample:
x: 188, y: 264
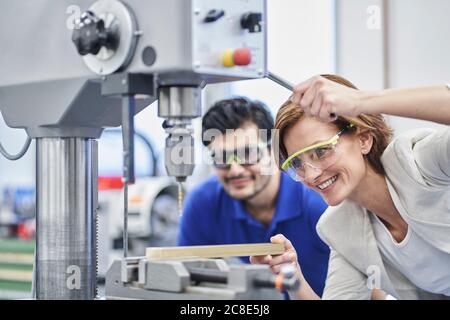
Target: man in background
x: 249, y: 199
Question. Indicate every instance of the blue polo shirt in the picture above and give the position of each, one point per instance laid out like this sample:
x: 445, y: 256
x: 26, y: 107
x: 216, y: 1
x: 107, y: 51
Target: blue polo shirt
x: 211, y: 217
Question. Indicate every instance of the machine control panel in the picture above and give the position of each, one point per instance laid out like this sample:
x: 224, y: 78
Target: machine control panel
x: 229, y: 37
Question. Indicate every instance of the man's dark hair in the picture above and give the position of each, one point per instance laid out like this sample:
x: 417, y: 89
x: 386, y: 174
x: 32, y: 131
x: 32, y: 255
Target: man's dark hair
x: 233, y: 113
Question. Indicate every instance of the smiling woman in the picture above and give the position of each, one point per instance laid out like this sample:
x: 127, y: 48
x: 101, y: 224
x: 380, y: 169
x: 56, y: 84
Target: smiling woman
x: 388, y: 221
x: 298, y: 131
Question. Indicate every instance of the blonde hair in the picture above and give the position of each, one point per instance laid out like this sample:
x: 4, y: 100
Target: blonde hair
x: 289, y: 114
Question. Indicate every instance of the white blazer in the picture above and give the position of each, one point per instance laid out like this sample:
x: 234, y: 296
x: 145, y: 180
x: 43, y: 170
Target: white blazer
x: 417, y: 166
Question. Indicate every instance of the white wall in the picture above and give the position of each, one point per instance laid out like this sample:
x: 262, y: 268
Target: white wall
x: 419, y: 41
x: 359, y: 42
x: 411, y: 47
x: 419, y: 48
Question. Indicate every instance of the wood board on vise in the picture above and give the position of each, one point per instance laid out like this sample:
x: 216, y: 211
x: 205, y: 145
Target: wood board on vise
x: 216, y: 251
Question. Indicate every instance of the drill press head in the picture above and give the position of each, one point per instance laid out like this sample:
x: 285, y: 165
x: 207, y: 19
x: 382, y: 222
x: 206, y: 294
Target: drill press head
x: 179, y: 105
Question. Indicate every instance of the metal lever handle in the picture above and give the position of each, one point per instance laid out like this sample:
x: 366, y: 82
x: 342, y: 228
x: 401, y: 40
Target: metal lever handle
x: 286, y: 84
x: 280, y: 81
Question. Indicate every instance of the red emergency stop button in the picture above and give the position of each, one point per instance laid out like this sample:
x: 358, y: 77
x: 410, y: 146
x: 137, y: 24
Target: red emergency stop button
x: 236, y: 57
x: 242, y: 57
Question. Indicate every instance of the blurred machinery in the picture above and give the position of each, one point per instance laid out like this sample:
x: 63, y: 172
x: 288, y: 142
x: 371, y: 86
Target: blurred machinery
x: 17, y: 207
x: 68, y: 71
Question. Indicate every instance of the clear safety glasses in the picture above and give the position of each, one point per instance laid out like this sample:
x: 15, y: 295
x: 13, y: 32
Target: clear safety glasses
x: 319, y: 156
x: 247, y: 156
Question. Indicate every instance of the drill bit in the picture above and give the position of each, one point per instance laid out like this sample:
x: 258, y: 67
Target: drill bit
x: 180, y: 197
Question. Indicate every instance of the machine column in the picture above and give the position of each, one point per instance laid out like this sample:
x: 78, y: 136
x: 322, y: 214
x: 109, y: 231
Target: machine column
x: 66, y: 202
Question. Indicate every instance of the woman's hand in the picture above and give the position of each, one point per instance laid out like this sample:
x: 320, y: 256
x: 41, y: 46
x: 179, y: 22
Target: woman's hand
x: 326, y: 99
x: 288, y: 257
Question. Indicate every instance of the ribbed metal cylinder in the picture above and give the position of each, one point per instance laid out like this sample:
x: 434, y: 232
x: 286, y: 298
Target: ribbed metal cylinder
x: 66, y: 196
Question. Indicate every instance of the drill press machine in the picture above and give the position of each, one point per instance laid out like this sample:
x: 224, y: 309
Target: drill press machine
x: 69, y: 70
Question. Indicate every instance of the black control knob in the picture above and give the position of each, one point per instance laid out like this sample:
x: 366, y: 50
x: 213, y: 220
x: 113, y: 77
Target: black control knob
x: 214, y: 15
x: 90, y: 34
x: 252, y: 21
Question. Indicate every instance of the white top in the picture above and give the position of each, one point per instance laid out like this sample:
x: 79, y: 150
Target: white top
x: 417, y: 165
x: 424, y: 265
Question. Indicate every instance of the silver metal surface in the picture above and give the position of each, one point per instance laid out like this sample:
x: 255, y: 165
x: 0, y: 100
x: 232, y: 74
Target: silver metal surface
x: 41, y: 40
x: 179, y: 105
x: 139, y: 278
x: 179, y: 152
x: 65, y: 218
x: 114, y: 13
x: 125, y: 219
x: 128, y: 110
x: 282, y: 82
x: 179, y: 102
x: 70, y: 108
x: 95, y: 205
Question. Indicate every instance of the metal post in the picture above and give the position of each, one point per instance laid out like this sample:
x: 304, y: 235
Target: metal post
x: 128, y: 110
x: 65, y: 218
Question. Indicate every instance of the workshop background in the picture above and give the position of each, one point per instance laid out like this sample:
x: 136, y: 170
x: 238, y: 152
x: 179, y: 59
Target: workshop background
x: 375, y: 43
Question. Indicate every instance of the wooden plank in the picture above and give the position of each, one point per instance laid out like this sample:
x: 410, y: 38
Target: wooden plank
x: 218, y: 251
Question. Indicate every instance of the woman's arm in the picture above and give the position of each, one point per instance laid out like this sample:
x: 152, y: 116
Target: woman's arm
x: 344, y: 282
x: 321, y: 97
x: 425, y: 103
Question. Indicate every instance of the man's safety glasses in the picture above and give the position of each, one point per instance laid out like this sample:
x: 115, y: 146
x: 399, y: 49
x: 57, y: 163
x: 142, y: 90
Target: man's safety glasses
x: 319, y: 156
x: 246, y: 156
